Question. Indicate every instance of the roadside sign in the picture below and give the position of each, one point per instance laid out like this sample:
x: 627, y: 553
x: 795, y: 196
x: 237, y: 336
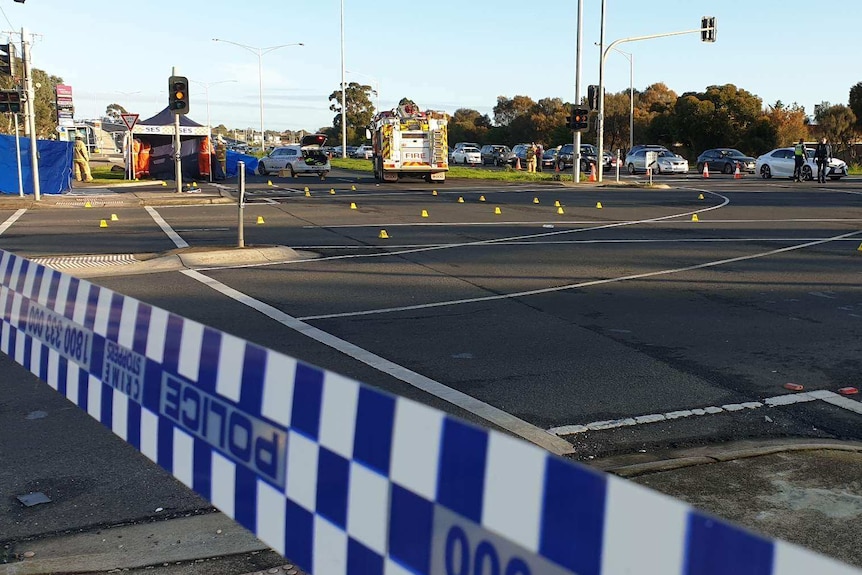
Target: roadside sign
x: 130, y: 120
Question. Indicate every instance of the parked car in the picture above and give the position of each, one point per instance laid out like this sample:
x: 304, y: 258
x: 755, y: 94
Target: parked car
x: 467, y: 155
x: 549, y: 158
x: 495, y: 154
x: 666, y: 161
x: 364, y: 152
x: 460, y: 145
x: 565, y: 157
x: 725, y: 160
x: 307, y: 157
x: 780, y: 162
x: 519, y: 154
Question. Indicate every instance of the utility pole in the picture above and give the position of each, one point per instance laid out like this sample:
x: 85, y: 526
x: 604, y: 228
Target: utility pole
x: 576, y: 152
x: 31, y: 111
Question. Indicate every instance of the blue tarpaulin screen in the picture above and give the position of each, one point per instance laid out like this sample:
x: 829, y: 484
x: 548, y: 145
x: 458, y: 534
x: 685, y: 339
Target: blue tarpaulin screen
x: 234, y: 157
x: 55, y: 166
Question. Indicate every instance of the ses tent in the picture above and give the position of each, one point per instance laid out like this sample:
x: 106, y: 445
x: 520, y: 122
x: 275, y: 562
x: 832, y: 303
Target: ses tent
x: 154, y: 146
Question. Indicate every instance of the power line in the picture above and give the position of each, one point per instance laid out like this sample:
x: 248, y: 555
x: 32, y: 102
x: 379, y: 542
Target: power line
x: 6, y: 17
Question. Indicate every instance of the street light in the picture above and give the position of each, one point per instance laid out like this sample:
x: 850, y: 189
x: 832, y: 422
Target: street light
x: 206, y: 86
x: 375, y: 88
x: 631, y: 58
x: 260, y: 52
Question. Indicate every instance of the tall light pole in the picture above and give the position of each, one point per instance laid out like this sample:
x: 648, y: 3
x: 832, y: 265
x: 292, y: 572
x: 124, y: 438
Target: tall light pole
x: 260, y: 53
x: 375, y: 87
x: 576, y: 152
x: 631, y: 58
x: 206, y: 86
x: 343, y: 92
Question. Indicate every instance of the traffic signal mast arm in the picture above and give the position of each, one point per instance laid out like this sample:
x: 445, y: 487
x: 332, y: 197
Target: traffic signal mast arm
x: 614, y: 44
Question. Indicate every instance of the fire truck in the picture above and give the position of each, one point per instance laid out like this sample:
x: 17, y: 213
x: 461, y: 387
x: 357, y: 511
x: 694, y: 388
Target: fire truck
x: 409, y: 142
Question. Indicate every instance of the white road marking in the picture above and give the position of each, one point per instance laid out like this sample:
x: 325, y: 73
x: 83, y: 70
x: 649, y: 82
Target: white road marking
x: 778, y: 400
x: 11, y: 220
x: 490, y: 241
x: 705, y: 265
x: 487, y: 412
x: 174, y: 236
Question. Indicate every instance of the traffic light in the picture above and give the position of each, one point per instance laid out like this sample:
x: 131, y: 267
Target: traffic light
x: 178, y: 94
x: 7, y: 59
x: 10, y: 101
x: 593, y: 97
x: 707, y: 29
x: 579, y: 120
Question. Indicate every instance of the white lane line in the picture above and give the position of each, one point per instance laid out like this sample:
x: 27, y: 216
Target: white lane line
x: 487, y: 412
x: 705, y: 265
x: 11, y: 220
x: 778, y: 400
x: 490, y: 241
x: 174, y: 236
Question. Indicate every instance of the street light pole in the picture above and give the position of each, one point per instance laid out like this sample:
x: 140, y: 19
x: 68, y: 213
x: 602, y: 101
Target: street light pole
x: 631, y: 58
x: 343, y: 92
x: 260, y: 53
x: 576, y: 152
x: 206, y: 86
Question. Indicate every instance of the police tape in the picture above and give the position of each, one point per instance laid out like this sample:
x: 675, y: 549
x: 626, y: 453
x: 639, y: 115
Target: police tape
x: 340, y: 477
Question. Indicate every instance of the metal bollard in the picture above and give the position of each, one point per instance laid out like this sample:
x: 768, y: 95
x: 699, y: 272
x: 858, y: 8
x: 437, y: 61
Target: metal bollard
x: 240, y: 204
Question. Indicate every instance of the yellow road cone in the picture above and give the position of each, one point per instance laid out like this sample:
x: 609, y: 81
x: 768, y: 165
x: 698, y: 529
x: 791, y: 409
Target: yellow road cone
x: 700, y: 197
x: 88, y: 205
x: 460, y: 199
x: 114, y: 218
x: 535, y: 200
x: 424, y: 213
x: 194, y: 184
x: 694, y: 218
x: 307, y: 194
x: 269, y: 182
x: 383, y: 235
x: 481, y: 198
x: 557, y: 203
x: 353, y: 205
x: 353, y: 188
x: 598, y: 205
x: 332, y: 191
x: 164, y: 184
x: 498, y: 211
x: 260, y: 220
x: 306, y: 189
x: 560, y: 211
x: 103, y: 224
x: 434, y: 193
x: 859, y: 249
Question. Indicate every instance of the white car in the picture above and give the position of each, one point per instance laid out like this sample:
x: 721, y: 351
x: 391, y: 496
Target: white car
x: 307, y: 157
x: 364, y: 152
x: 780, y: 163
x: 467, y: 155
x: 666, y: 161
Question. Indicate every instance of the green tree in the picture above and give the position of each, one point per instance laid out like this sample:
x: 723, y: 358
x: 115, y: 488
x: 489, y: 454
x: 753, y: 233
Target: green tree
x: 467, y: 125
x: 656, y: 100
x: 507, y: 110
x: 838, y: 124
x: 855, y: 103
x: 720, y: 116
x: 617, y: 120
x: 46, y: 115
x: 359, y: 111
x: 114, y: 111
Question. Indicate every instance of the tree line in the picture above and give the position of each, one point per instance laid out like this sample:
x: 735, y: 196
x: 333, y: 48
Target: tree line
x: 719, y: 116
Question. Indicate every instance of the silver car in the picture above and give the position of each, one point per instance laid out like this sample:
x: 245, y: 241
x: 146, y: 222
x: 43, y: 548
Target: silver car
x: 666, y: 162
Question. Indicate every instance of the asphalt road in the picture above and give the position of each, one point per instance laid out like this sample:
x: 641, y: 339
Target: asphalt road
x: 562, y: 319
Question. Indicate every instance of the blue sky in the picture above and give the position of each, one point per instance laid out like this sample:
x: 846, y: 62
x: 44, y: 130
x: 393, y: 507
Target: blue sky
x: 442, y: 54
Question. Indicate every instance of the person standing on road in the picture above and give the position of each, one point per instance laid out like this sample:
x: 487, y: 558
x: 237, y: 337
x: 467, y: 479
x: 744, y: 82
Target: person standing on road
x: 81, y: 160
x: 221, y: 158
x: 822, y: 155
x: 798, y: 159
x: 539, y: 153
x: 530, y: 156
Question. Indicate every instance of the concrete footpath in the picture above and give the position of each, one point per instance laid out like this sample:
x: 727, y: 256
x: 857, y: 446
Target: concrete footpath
x: 803, y: 492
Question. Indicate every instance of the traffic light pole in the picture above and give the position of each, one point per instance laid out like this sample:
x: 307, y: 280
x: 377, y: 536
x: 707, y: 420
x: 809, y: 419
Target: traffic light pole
x: 177, y: 157
x: 606, y: 51
x: 576, y: 151
x: 31, y: 112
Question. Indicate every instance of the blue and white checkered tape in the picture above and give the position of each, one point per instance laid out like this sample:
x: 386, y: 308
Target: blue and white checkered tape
x: 340, y: 477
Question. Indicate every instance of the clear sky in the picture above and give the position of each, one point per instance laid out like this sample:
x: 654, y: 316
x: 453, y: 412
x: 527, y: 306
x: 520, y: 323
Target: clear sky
x: 443, y: 54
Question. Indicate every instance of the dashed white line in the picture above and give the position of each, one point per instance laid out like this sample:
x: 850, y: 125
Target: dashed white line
x: 169, y: 231
x: 778, y: 400
x: 11, y: 220
x: 475, y: 406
